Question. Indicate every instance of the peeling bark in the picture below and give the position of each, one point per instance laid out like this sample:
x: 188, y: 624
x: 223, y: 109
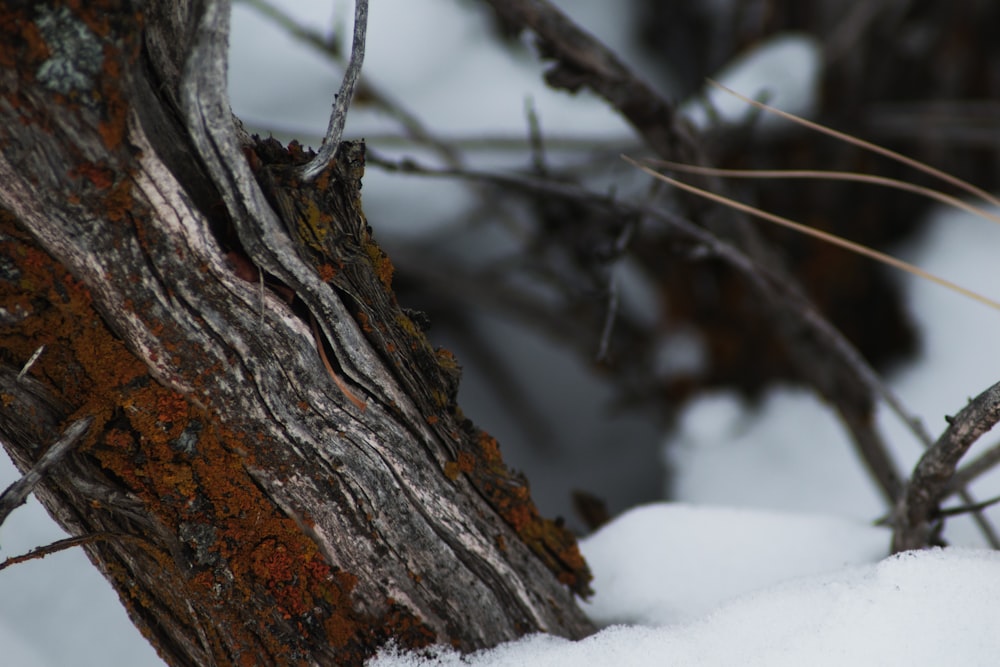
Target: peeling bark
x: 282, y: 472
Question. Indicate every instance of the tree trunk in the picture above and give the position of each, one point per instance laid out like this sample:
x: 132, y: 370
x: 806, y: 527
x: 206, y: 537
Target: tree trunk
x: 277, y: 471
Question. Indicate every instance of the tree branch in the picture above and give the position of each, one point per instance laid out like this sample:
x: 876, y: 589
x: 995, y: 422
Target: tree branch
x: 343, y: 99
x: 282, y: 521
x: 15, y: 494
x: 917, y: 509
x: 583, y: 61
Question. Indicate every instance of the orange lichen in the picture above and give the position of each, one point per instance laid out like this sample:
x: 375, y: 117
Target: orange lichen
x: 112, y: 126
x: 21, y: 42
x: 384, y: 268
x: 189, y: 472
x: 99, y: 175
x: 364, y: 321
x: 489, y: 448
x: 446, y: 359
x: 466, y: 462
x: 509, y: 495
x: 326, y: 271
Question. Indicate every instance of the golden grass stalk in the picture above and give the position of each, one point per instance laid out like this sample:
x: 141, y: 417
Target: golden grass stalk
x: 839, y: 241
x: 854, y: 176
x: 867, y: 145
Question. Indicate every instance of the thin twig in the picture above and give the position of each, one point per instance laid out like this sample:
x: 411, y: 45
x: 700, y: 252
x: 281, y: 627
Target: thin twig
x: 67, y: 543
x: 413, y: 127
x: 30, y: 362
x: 338, y: 117
x: 975, y: 468
x: 15, y: 495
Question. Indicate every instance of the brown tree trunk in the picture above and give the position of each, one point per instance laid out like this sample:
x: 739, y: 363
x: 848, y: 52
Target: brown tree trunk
x: 277, y: 472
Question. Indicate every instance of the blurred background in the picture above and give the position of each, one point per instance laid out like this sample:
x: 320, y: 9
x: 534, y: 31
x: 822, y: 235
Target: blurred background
x: 585, y: 336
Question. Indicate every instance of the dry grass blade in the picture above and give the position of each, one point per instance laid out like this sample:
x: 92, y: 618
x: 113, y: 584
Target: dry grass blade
x: 867, y: 145
x: 816, y: 233
x: 819, y: 174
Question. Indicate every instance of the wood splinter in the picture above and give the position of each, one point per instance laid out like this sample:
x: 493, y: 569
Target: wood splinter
x: 359, y: 403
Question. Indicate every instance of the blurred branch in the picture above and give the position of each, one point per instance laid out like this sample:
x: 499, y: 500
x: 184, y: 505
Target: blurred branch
x: 975, y: 468
x: 822, y: 355
x: 764, y: 280
x: 367, y: 91
x: 329, y: 46
x: 582, y: 61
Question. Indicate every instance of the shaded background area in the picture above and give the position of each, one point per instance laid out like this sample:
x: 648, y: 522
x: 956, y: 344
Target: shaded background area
x: 520, y: 285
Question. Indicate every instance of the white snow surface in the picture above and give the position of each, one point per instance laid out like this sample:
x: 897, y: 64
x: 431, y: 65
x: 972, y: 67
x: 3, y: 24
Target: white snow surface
x: 706, y: 581
x: 912, y: 610
x: 781, y: 71
x: 670, y: 562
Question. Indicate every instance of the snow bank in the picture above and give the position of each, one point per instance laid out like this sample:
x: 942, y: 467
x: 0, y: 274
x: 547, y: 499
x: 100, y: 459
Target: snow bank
x: 669, y: 562
x: 917, y: 609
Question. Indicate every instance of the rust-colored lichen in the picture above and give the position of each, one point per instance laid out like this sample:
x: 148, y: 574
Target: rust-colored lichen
x: 190, y: 474
x: 101, y: 176
x: 21, y: 43
x: 509, y: 494
x: 466, y: 463
x: 326, y: 271
x: 246, y: 568
x: 381, y: 262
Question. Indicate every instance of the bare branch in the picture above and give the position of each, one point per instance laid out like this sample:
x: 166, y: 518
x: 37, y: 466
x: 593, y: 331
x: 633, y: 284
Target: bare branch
x: 17, y: 492
x: 414, y: 129
x: 64, y: 544
x: 934, y: 473
x: 975, y: 468
x: 764, y: 280
x: 583, y: 61
x: 343, y: 100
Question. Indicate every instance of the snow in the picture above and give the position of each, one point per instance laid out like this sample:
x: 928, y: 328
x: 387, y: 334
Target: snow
x: 927, y: 608
x: 781, y: 72
x: 650, y: 564
x: 770, y: 557
x: 725, y: 454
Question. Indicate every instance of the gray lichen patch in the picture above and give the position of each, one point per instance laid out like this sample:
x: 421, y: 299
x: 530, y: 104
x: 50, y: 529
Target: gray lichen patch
x: 76, y: 51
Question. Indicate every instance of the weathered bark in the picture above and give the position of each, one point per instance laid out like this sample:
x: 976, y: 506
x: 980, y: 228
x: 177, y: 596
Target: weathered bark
x: 917, y: 518
x: 276, y: 474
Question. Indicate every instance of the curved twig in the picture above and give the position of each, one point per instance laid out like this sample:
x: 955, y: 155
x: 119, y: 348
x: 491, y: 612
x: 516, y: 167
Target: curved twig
x: 933, y: 475
x: 342, y: 101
